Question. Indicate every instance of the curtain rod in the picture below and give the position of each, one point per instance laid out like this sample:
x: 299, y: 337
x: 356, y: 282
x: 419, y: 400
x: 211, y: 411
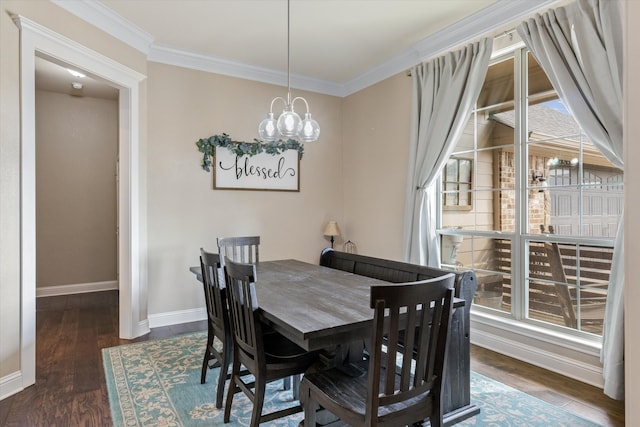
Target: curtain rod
x: 505, y: 33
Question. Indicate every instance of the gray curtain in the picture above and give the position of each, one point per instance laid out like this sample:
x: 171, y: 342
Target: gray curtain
x: 444, y: 92
x: 580, y: 49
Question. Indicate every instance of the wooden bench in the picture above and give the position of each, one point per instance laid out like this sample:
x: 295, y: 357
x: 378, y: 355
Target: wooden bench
x: 456, y: 399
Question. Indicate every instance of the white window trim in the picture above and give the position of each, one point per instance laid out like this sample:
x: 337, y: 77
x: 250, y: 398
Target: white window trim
x: 572, y: 356
x: 570, y: 353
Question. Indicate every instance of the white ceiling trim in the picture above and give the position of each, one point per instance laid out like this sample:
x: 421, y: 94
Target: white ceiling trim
x: 197, y: 61
x: 479, y: 24
x: 96, y: 13
x: 468, y: 29
x: 472, y: 27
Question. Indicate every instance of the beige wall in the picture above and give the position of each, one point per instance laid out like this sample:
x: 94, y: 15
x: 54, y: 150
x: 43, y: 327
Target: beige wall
x: 76, y: 151
x: 186, y: 213
x: 376, y: 125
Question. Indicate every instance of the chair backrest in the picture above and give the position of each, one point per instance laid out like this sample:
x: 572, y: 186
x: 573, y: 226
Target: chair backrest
x: 215, y: 296
x: 243, y: 306
x: 423, y: 311
x: 239, y: 249
x: 558, y: 275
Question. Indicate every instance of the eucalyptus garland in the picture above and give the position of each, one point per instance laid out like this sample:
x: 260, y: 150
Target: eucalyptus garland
x: 207, y: 146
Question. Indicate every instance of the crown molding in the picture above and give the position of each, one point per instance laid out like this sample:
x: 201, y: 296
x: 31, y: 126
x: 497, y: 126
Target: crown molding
x: 484, y: 22
x: 99, y: 15
x: 479, y: 24
x: 197, y: 61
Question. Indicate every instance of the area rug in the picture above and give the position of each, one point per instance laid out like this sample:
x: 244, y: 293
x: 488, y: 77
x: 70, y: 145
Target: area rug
x: 157, y: 383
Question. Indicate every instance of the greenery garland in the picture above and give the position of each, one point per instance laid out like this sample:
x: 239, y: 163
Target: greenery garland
x: 207, y: 146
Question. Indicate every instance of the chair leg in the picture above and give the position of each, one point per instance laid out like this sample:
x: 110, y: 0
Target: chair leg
x: 205, y: 366
x: 436, y: 419
x: 258, y: 401
x: 286, y: 383
x: 295, y: 386
x: 232, y: 389
x: 207, y: 355
x: 310, y: 409
x: 222, y: 379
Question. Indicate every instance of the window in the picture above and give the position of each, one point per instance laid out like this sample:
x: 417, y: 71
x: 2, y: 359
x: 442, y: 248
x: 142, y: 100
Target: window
x: 457, y: 184
x: 546, y: 204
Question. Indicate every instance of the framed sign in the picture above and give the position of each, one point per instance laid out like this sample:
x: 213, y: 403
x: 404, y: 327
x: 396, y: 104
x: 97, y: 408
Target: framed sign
x: 275, y: 172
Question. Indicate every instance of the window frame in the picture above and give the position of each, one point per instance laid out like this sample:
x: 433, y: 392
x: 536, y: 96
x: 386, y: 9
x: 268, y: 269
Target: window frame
x: 520, y: 238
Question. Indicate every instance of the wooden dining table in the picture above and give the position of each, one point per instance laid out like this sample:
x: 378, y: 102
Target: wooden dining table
x: 316, y: 307
x: 321, y: 308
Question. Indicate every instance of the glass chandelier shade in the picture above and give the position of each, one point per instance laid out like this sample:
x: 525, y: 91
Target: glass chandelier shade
x: 310, y: 129
x: 289, y: 124
x: 268, y: 130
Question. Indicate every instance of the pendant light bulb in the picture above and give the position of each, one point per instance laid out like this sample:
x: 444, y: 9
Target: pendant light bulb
x: 268, y: 129
x: 289, y: 123
x: 310, y: 129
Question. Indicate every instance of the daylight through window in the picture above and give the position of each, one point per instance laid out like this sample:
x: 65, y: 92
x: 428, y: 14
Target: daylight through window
x: 546, y: 204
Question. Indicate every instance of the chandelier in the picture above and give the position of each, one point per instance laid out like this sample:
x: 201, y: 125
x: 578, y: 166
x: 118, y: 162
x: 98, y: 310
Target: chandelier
x: 289, y: 124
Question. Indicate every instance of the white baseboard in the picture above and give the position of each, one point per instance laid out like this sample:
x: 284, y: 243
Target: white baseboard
x: 177, y: 317
x: 11, y: 384
x: 143, y: 328
x: 574, y: 361
x: 79, y: 288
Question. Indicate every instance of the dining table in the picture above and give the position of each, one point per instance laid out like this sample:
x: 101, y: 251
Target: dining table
x: 325, y: 309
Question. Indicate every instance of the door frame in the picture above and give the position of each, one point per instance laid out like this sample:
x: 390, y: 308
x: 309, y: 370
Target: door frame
x: 36, y: 39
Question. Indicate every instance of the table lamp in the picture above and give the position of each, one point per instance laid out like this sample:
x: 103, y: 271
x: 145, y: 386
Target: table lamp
x: 332, y: 230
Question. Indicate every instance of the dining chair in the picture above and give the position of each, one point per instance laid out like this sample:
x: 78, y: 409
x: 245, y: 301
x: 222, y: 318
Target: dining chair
x: 392, y: 390
x: 218, y: 323
x: 246, y: 249
x: 243, y: 249
x: 268, y: 357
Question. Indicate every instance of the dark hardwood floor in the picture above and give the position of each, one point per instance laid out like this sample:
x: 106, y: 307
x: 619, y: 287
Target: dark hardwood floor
x: 70, y: 389
x: 574, y: 396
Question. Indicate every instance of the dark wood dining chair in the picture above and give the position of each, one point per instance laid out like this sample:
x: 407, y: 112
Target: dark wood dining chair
x: 245, y: 249
x: 218, y: 323
x: 392, y: 390
x: 268, y: 357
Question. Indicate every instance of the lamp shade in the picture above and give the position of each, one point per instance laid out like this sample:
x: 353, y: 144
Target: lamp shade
x: 332, y: 229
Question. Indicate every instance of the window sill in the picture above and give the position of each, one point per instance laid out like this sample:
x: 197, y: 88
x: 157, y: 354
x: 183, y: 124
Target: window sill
x: 574, y: 356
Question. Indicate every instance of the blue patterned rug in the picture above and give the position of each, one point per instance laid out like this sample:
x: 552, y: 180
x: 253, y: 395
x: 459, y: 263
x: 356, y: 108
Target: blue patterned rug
x: 157, y: 383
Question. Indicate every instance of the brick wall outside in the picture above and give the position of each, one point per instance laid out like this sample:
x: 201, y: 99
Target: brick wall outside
x: 539, y: 202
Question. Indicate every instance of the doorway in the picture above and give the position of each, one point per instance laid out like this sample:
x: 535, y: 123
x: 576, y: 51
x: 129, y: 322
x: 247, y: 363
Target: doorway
x: 76, y: 193
x: 36, y: 40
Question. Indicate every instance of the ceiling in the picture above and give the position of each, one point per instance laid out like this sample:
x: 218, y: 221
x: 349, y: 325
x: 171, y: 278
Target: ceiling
x: 337, y: 46
x: 53, y: 77
x: 334, y: 40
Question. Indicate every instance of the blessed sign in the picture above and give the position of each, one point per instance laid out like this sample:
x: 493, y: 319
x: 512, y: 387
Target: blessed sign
x: 279, y: 172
